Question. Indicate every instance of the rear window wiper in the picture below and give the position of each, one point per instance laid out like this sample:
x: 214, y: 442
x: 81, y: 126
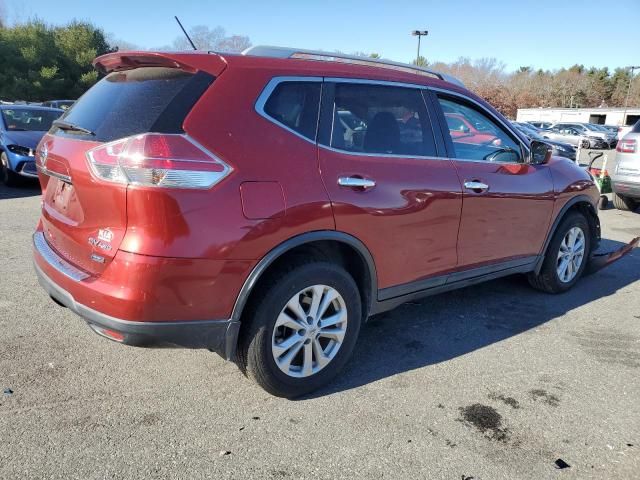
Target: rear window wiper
x: 61, y: 124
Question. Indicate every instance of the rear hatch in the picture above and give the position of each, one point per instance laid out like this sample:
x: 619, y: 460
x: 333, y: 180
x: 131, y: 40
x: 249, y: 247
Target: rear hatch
x: 84, y: 211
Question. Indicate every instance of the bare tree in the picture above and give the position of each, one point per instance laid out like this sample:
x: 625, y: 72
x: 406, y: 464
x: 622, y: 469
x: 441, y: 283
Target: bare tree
x: 119, y: 44
x: 234, y: 44
x: 214, y: 39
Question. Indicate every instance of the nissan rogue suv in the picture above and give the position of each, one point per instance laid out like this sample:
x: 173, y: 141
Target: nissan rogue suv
x: 264, y: 205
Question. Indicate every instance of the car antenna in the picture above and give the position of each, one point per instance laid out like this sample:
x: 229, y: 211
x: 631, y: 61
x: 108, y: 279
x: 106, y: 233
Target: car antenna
x: 185, y: 32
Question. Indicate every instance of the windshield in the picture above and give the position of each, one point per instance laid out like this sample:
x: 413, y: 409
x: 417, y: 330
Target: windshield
x: 24, y: 119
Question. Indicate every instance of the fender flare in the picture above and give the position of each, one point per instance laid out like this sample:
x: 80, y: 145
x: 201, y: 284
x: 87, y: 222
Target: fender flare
x: 556, y: 223
x: 278, y: 251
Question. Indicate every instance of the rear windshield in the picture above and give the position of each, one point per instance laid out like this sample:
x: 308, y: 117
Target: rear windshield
x: 636, y: 127
x: 24, y: 119
x: 149, y: 99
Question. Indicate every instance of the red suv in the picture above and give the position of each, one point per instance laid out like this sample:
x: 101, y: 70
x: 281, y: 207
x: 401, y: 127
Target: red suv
x: 264, y: 205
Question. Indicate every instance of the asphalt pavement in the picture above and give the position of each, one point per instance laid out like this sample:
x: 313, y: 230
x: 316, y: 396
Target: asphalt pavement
x: 495, y: 381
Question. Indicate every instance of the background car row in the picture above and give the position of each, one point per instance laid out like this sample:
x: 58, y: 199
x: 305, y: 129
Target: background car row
x: 21, y: 128
x: 560, y: 149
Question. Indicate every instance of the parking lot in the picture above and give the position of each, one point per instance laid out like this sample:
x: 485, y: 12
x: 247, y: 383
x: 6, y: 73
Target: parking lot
x: 495, y: 381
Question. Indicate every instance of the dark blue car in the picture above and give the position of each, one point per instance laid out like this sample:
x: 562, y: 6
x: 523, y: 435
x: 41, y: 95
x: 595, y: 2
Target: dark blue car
x: 21, y: 128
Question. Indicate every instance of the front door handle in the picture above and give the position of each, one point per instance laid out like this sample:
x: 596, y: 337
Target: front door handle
x: 476, y: 186
x: 356, y: 182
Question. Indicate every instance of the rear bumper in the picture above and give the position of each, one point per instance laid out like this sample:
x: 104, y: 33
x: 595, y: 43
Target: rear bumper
x: 75, y: 290
x: 219, y: 336
x: 626, y: 188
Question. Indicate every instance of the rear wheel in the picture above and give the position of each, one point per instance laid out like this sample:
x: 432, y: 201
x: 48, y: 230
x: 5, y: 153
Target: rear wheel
x: 566, y: 257
x: 8, y: 177
x: 301, y: 330
x: 624, y: 203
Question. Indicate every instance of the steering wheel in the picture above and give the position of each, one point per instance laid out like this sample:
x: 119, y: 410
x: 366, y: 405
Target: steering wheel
x: 492, y: 157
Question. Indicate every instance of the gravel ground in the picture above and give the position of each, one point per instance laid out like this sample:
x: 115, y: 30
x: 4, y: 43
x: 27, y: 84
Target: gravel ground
x: 496, y: 381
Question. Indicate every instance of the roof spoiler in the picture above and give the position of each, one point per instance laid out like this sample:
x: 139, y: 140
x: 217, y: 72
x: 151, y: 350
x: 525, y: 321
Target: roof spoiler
x: 283, y: 52
x: 187, y: 61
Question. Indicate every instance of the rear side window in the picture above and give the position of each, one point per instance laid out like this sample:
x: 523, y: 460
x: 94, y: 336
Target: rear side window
x: 149, y: 99
x: 296, y: 106
x: 381, y: 119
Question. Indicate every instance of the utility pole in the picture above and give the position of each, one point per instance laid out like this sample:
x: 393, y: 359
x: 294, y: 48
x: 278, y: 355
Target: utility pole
x: 419, y: 34
x: 626, y: 100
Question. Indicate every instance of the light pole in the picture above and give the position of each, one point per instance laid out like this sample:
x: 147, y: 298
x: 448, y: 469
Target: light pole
x: 626, y: 100
x: 419, y: 34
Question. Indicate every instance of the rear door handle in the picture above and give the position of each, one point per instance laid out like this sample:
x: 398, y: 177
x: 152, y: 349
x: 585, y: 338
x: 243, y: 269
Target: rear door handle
x: 356, y: 182
x: 476, y: 186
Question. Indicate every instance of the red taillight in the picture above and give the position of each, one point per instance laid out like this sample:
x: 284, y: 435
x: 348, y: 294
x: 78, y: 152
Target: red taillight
x: 626, y: 146
x: 157, y: 160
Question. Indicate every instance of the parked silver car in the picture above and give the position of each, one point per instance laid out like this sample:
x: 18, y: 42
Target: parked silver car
x: 590, y: 130
x: 562, y: 132
x: 625, y: 179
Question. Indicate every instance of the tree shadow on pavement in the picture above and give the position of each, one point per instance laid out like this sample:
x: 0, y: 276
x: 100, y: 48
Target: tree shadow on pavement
x: 442, y: 327
x: 29, y: 188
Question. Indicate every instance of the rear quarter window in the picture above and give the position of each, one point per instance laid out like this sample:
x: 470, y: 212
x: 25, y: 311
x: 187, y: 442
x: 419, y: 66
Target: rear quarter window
x: 149, y: 99
x: 295, y: 105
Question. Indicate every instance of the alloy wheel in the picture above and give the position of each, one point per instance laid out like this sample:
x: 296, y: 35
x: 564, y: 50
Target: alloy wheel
x: 571, y: 254
x: 309, y: 331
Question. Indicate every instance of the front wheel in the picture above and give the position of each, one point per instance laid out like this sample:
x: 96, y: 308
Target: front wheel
x: 566, y: 257
x: 301, y: 329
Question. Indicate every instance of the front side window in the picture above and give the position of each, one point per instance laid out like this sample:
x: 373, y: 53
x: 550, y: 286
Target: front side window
x: 295, y: 105
x: 476, y: 136
x: 381, y: 119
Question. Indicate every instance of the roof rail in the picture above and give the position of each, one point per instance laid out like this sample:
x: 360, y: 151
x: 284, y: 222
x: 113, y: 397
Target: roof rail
x: 284, y: 52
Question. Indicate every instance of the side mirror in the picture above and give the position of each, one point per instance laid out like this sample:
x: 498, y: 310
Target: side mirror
x: 540, y: 153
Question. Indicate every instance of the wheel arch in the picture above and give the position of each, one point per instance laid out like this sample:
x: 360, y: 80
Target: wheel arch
x: 582, y: 204
x: 318, y: 241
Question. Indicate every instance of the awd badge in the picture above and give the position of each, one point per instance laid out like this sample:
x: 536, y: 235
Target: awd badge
x: 103, y: 241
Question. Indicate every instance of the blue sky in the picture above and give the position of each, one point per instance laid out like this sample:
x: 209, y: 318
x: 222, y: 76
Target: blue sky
x: 543, y: 34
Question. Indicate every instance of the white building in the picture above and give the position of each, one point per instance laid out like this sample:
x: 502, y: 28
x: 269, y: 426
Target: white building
x: 603, y: 116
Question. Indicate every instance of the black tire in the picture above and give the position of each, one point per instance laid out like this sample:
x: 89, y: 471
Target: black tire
x: 254, y: 354
x: 624, y: 203
x: 8, y: 177
x: 548, y: 280
x: 585, y: 143
x: 603, y: 203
